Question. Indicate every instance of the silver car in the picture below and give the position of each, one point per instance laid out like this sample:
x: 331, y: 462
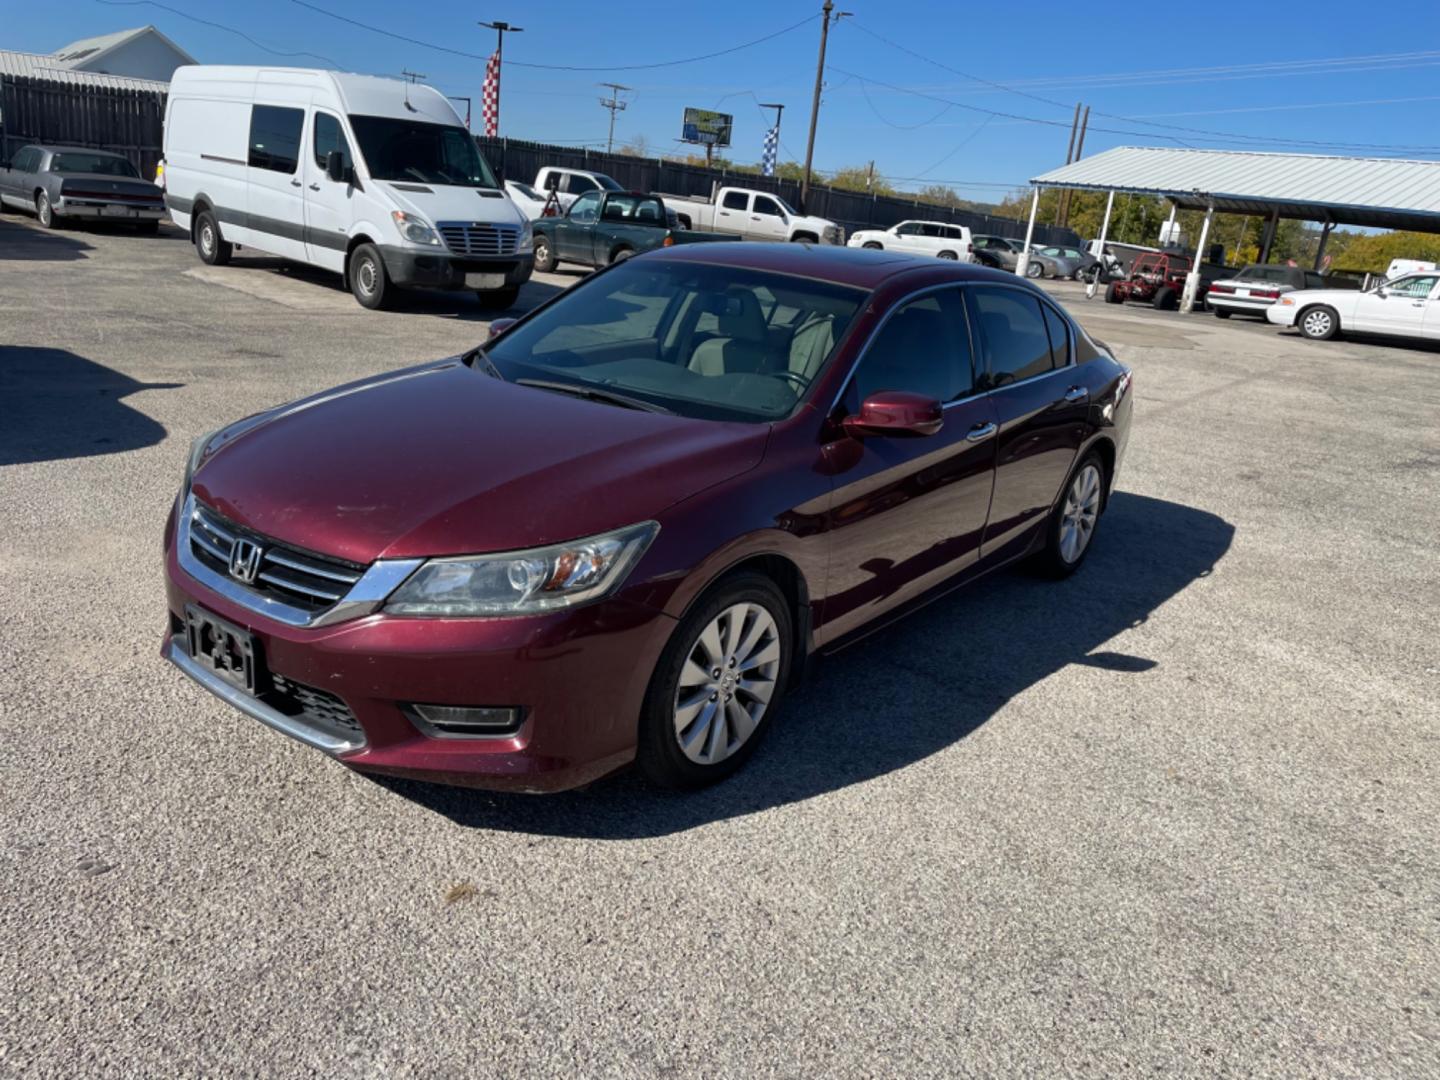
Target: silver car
x: 56, y: 183
x: 1060, y: 262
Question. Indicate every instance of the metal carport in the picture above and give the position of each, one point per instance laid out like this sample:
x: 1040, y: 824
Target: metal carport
x: 1381, y: 193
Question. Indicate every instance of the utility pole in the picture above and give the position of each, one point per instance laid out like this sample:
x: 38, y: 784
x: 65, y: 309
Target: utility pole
x: 1062, y: 209
x: 1079, y: 151
x: 500, y: 29
x: 614, y: 104
x: 825, y: 11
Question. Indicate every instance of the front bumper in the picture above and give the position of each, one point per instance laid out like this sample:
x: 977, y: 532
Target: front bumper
x: 578, y: 676
x: 437, y: 269
x: 89, y: 208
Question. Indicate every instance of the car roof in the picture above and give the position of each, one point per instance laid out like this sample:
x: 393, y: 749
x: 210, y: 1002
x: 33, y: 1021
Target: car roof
x: 860, y: 267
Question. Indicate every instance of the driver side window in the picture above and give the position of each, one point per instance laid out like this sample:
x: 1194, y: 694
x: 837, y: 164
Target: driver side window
x: 909, y: 228
x: 584, y: 210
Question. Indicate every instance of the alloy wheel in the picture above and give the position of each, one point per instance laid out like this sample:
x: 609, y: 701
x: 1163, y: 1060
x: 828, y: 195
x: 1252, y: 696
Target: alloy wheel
x: 43, y: 210
x: 1077, y: 520
x: 727, y: 682
x: 1317, y: 323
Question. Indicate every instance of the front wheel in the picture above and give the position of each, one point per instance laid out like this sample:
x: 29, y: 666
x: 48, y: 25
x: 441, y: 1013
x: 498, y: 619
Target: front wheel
x: 1319, y: 323
x: 499, y: 299
x: 1033, y: 269
x: 544, y: 255
x: 1073, y: 522
x: 717, y: 683
x: 368, y: 280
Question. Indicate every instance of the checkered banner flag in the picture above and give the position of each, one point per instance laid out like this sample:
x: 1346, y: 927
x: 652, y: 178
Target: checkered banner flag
x: 767, y: 156
x: 490, y: 95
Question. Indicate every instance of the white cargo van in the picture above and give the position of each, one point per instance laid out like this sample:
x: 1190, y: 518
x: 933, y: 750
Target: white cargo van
x: 372, y: 178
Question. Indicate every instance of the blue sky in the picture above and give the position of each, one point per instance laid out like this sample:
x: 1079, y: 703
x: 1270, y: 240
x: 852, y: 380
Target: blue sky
x: 1332, y: 75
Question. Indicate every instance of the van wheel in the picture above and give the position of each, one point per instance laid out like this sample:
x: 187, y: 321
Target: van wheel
x: 214, y: 249
x: 544, y: 255
x: 45, y: 212
x: 717, y: 684
x: 499, y: 299
x: 367, y: 277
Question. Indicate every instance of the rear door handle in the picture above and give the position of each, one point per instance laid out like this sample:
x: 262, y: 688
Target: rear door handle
x: 1076, y: 393
x: 980, y: 432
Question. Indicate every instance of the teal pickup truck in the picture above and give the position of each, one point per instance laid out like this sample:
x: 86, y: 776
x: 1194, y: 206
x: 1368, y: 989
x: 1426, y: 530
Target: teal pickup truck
x: 603, y: 227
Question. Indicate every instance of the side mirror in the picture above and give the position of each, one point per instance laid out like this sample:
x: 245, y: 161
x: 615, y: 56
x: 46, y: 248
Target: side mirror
x: 1382, y: 292
x: 499, y: 326
x: 335, y: 166
x: 552, y: 182
x: 896, y: 412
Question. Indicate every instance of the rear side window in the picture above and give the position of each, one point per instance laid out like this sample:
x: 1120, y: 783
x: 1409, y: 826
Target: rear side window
x: 923, y: 348
x: 735, y: 200
x: 330, y: 136
x: 275, y: 138
x: 1017, y: 343
x: 1059, y: 336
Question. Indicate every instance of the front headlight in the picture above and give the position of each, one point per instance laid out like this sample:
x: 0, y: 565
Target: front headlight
x: 415, y: 229
x: 524, y: 582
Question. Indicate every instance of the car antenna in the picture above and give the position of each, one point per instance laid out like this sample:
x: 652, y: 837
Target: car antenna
x: 410, y: 77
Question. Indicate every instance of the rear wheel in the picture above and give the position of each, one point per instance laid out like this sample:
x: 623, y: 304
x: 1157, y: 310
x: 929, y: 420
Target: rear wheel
x: 213, y: 248
x: 499, y: 299
x: 1113, y: 294
x: 1220, y: 313
x: 544, y: 255
x: 367, y: 277
x: 45, y: 212
x: 1319, y: 323
x: 1073, y: 522
x: 1164, y: 299
x: 620, y: 255
x: 717, y: 683
x: 950, y: 255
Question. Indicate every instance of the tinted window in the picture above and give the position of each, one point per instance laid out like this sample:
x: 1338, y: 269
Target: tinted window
x: 924, y: 347
x: 585, y: 209
x: 275, y: 138
x: 735, y: 200
x: 1059, y: 336
x: 100, y: 164
x: 575, y: 184
x: 1313, y: 280
x: 907, y: 228
x: 418, y: 153
x: 1417, y: 287
x: 329, y: 136
x: 768, y: 207
x: 633, y: 208
x: 1017, y: 345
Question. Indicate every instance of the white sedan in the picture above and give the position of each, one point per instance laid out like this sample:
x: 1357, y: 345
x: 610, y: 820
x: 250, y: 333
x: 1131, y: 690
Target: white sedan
x: 1407, y: 306
x: 918, y: 238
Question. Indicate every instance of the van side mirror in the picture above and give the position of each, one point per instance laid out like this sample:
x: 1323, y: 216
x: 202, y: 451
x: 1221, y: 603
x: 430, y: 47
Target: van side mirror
x: 896, y: 412
x: 335, y: 166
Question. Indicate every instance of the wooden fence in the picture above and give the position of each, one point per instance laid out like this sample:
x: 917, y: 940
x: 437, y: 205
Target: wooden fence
x: 119, y: 119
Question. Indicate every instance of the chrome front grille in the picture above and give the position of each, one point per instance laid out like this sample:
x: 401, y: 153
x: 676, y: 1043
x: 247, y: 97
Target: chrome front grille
x: 479, y: 238
x: 296, y: 578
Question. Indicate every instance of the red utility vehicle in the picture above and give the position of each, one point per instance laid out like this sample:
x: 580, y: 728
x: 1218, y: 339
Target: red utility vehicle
x: 1157, y: 279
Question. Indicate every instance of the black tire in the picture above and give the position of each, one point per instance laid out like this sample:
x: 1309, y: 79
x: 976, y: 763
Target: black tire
x: 499, y: 299
x: 949, y: 256
x: 1164, y: 299
x: 660, y: 756
x: 872, y: 245
x: 45, y: 212
x: 210, y: 243
x: 1319, y: 323
x: 368, y: 281
x: 1052, y: 561
x: 1112, y: 293
x: 620, y: 255
x: 545, y: 260
x: 148, y: 228
x: 1221, y: 313
x: 805, y: 238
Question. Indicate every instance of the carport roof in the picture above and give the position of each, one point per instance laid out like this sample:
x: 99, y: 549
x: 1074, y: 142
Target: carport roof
x: 1378, y: 192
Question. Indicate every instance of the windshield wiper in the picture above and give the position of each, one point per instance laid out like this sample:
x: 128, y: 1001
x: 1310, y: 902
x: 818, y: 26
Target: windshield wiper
x: 487, y: 365
x: 594, y: 393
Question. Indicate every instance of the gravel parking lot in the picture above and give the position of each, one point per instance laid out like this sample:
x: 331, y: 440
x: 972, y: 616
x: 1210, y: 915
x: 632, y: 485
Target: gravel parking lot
x: 1176, y: 815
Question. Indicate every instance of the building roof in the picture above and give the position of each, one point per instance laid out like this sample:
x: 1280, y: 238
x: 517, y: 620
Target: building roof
x: 87, y: 51
x: 38, y: 66
x: 1378, y: 192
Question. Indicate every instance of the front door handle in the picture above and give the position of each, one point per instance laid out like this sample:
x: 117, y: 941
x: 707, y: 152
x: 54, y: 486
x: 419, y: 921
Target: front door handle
x: 314, y: 187
x: 294, y: 183
x: 1076, y: 393
x: 980, y: 432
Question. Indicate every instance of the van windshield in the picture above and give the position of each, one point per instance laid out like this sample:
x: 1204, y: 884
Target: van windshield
x: 424, y: 153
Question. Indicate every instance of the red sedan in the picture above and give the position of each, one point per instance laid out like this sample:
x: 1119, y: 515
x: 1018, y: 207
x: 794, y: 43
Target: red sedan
x: 618, y: 530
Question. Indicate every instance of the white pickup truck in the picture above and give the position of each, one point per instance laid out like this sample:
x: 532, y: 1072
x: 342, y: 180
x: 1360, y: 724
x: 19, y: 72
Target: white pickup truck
x: 754, y: 215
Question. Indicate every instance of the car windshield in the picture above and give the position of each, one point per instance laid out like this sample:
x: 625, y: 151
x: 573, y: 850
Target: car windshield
x: 711, y: 342
x: 426, y: 153
x: 101, y: 164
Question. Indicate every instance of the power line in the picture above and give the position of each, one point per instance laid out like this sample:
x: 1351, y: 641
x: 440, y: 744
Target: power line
x: 551, y: 67
x: 217, y: 26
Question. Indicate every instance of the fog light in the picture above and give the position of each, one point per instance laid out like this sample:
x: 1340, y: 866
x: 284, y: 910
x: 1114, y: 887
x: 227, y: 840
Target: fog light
x: 465, y: 722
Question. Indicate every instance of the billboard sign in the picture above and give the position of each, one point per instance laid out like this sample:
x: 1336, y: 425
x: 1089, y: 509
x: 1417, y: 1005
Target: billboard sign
x: 707, y: 128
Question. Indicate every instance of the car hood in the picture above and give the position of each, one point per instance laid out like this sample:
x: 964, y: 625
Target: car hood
x: 444, y: 460
x: 441, y: 202
x: 818, y: 224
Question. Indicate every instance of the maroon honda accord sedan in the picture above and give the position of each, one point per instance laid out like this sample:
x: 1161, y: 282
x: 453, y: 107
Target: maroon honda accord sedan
x: 618, y: 529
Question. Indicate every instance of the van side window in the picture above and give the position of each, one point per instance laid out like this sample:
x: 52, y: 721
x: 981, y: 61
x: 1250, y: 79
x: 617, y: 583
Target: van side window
x: 329, y: 136
x: 275, y: 138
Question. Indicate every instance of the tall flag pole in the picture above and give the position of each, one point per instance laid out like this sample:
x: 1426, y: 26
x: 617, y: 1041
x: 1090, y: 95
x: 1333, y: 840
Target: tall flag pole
x: 771, y: 147
x: 490, y: 91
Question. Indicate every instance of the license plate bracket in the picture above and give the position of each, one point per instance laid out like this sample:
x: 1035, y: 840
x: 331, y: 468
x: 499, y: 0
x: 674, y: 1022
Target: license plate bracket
x: 223, y: 648
x: 116, y: 211
x: 484, y: 281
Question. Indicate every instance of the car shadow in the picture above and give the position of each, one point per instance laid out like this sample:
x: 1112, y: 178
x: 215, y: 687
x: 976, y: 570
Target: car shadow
x: 906, y: 692
x: 442, y: 303
x: 20, y: 243
x: 55, y: 405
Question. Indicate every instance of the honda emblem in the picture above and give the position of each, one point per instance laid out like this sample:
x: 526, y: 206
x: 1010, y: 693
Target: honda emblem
x: 245, y: 561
